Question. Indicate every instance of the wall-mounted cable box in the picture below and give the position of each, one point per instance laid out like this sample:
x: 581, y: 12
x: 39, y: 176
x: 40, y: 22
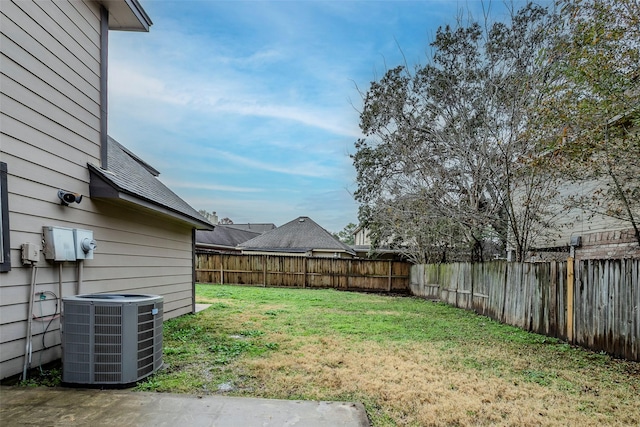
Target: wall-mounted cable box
x: 30, y: 253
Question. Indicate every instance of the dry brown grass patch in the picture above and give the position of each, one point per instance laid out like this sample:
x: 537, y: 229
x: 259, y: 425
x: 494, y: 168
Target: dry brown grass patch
x: 418, y: 385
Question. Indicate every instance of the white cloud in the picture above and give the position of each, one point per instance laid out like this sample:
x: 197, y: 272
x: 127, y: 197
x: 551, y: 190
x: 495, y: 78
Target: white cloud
x: 307, y: 168
x: 224, y: 97
x: 197, y: 185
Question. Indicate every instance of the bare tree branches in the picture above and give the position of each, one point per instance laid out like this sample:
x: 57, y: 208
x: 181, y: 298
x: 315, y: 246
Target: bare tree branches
x: 448, y: 142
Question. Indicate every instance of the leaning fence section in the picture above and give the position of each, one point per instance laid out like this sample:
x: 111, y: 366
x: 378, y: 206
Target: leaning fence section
x: 303, y: 272
x: 592, y: 303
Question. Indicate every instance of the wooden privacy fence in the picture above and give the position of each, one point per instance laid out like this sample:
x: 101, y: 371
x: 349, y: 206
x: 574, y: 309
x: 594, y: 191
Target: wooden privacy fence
x: 303, y: 272
x: 591, y: 303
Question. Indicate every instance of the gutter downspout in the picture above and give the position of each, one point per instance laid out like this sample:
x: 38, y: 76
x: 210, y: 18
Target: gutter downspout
x: 104, y: 63
x: 193, y: 270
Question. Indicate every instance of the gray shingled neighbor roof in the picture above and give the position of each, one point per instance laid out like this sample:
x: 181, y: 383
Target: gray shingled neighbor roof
x: 258, y: 227
x: 223, y: 236
x: 300, y: 235
x: 130, y: 178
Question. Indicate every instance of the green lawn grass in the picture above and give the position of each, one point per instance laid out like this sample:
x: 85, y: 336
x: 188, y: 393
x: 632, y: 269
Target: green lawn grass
x: 410, y: 361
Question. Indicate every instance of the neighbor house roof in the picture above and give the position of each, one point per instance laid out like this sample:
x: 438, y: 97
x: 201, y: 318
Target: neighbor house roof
x: 223, y: 237
x: 258, y: 228
x: 132, y: 180
x: 300, y: 235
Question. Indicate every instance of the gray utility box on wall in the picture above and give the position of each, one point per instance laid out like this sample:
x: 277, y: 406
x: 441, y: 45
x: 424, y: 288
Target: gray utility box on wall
x: 111, y: 339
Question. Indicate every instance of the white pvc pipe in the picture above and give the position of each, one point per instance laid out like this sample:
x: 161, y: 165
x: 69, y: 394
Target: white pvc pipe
x: 28, y: 345
x: 80, y: 274
x: 60, y: 286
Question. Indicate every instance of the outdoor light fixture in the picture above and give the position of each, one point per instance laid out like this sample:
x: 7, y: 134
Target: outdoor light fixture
x: 67, y: 197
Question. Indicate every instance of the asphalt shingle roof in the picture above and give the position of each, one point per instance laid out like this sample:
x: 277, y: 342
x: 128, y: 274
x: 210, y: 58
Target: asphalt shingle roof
x: 223, y: 235
x: 258, y: 228
x: 129, y: 174
x: 300, y: 235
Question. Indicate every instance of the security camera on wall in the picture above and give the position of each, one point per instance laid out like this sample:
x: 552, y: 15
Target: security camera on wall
x: 67, y: 197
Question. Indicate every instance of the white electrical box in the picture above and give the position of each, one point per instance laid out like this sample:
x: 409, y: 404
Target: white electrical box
x: 85, y: 245
x: 59, y: 243
x: 30, y: 253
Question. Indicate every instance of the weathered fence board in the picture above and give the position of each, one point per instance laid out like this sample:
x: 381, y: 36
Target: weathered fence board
x: 599, y: 309
x: 303, y: 272
x: 607, y: 306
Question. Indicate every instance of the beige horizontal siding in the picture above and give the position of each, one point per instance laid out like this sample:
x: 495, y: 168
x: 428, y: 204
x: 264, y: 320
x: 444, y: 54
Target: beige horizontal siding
x: 13, y: 294
x: 43, y: 176
x: 66, y: 54
x: 108, y: 260
x: 16, y: 350
x: 63, y: 33
x: 45, y: 129
x: 41, y: 105
x: 25, y: 51
x: 82, y: 15
x: 31, y: 66
x: 112, y: 278
x: 15, y: 364
x: 15, y: 331
x: 177, y: 303
x: 575, y: 222
x: 23, y: 84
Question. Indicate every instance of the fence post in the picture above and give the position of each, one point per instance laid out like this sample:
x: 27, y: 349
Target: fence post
x: 390, y: 273
x: 553, y: 301
x: 264, y: 270
x: 221, y: 271
x: 304, y: 271
x: 570, y: 286
x: 473, y: 282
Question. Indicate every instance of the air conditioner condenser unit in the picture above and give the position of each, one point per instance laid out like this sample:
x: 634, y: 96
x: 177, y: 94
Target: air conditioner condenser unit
x: 111, y: 339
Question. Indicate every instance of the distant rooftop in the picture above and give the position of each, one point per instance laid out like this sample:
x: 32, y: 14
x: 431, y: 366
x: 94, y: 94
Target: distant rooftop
x: 255, y: 227
x: 300, y: 235
x: 223, y: 237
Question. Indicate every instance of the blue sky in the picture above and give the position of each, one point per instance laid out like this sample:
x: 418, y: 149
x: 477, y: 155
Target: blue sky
x: 250, y: 108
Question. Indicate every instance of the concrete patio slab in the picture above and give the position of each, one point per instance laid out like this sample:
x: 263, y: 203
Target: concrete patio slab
x: 200, y: 307
x: 41, y: 406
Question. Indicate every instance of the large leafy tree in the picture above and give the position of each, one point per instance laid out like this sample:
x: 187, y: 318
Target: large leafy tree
x: 446, y: 163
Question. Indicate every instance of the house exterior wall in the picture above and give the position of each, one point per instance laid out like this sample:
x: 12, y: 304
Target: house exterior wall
x: 602, y: 237
x: 361, y: 237
x: 613, y: 244
x: 330, y: 254
x: 50, y: 130
x: 567, y: 223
